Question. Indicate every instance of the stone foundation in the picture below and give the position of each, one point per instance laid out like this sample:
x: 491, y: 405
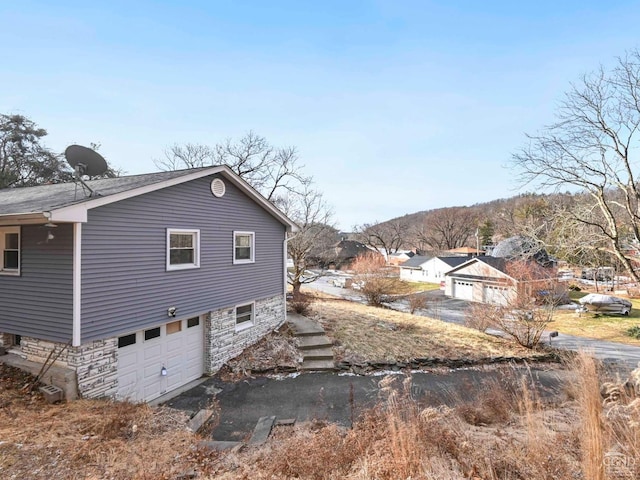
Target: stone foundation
x: 95, y: 363
x: 223, y: 342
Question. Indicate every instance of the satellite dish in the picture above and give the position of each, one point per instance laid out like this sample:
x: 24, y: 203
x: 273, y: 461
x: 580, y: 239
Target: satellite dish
x: 85, y: 161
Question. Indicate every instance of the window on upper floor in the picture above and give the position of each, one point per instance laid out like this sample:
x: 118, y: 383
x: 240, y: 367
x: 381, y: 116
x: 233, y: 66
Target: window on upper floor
x: 243, y: 247
x: 10, y: 250
x: 183, y: 249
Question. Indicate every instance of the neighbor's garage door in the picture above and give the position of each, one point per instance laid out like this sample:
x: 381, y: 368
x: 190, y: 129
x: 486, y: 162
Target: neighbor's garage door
x: 495, y: 295
x: 177, y: 346
x: 462, y: 290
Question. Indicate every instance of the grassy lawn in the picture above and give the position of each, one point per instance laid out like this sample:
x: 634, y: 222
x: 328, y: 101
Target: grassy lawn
x: 603, y: 327
x: 364, y: 333
x: 413, y: 287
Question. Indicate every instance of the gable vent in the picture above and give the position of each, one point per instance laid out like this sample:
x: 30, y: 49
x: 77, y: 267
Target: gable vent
x: 218, y: 187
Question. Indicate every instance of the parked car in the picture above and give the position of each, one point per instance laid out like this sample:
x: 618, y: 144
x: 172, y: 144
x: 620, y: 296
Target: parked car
x: 339, y: 282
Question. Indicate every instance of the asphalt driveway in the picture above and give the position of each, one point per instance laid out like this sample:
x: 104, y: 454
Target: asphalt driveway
x: 341, y: 398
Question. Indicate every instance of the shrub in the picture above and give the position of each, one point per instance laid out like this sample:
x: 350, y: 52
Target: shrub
x: 417, y: 302
x: 634, y: 332
x: 300, y: 304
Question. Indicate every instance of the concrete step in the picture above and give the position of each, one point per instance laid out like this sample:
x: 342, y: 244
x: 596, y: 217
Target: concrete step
x: 220, y: 446
x: 318, y: 354
x: 318, y: 365
x: 311, y: 343
x: 262, y: 430
x: 303, y: 327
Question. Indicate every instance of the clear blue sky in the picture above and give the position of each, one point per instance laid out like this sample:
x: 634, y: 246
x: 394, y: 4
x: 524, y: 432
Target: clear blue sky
x: 394, y: 106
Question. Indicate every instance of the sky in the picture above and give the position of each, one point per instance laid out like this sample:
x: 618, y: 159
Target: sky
x: 394, y: 106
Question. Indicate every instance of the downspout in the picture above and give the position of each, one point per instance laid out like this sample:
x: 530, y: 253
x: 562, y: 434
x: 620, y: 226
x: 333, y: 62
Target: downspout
x: 77, y: 283
x: 286, y: 276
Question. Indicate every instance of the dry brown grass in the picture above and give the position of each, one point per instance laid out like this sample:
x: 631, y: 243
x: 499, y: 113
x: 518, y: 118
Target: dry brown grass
x: 88, y: 439
x: 364, y: 333
x: 505, y: 435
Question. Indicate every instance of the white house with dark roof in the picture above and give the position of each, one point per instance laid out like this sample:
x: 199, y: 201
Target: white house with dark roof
x: 428, y: 269
x: 145, y: 285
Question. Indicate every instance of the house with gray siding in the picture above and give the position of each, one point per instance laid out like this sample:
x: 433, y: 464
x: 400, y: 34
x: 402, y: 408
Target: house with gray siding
x: 144, y: 285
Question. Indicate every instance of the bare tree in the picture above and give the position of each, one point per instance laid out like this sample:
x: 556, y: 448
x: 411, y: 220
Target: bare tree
x: 524, y: 313
x: 373, y: 278
x: 591, y: 147
x: 388, y: 236
x: 448, y: 228
x: 189, y: 155
x: 315, y: 220
x: 273, y: 171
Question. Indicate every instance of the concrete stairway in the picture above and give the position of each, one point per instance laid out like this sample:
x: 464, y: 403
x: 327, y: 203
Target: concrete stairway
x: 315, y: 346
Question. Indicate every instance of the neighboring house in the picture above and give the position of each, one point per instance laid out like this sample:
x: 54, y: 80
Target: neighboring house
x: 465, y: 252
x: 150, y: 284
x: 485, y: 280
x: 340, y: 255
x: 400, y: 257
x: 481, y: 279
x: 428, y: 269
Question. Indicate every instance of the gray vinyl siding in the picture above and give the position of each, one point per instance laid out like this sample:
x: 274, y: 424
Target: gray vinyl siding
x: 39, y: 302
x: 125, y: 285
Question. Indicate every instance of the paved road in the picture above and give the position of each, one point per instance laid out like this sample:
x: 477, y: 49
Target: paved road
x: 340, y: 398
x: 453, y: 311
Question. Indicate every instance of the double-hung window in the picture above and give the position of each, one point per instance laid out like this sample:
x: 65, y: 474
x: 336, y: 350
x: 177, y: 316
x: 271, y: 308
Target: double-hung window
x: 10, y: 250
x: 244, y: 316
x: 183, y: 249
x: 243, y: 247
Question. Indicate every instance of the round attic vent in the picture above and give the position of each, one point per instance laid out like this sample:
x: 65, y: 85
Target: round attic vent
x: 218, y: 187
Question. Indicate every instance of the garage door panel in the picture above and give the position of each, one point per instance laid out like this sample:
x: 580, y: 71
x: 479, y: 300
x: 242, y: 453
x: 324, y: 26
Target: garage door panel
x: 140, y: 364
x: 463, y: 290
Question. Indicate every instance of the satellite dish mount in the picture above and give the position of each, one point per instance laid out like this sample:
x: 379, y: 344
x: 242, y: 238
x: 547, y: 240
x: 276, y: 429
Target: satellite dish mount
x: 85, y: 162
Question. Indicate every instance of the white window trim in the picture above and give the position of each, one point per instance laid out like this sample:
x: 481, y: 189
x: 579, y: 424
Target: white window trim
x: 196, y: 256
x: 244, y: 325
x: 10, y: 271
x: 253, y: 248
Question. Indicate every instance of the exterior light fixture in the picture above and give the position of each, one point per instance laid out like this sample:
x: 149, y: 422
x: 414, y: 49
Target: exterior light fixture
x: 163, y: 371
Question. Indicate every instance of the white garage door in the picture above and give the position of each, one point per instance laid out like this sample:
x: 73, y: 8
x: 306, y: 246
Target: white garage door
x: 495, y: 295
x: 175, y: 349
x: 462, y: 290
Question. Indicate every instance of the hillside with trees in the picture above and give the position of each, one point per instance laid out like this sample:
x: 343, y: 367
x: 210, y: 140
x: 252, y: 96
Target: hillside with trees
x: 547, y: 218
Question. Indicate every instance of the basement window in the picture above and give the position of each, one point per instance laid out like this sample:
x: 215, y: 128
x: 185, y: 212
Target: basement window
x: 244, y: 316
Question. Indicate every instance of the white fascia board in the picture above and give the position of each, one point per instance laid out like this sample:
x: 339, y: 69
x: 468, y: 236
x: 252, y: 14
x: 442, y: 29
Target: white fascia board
x: 23, y: 219
x: 78, y: 212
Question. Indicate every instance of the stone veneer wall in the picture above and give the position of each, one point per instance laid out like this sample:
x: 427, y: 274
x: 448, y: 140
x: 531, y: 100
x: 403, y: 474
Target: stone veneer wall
x: 5, y: 340
x: 95, y: 363
x: 222, y: 342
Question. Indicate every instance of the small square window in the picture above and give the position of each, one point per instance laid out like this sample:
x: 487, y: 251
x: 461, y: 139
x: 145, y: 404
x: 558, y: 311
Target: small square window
x: 183, y: 249
x: 193, y: 322
x: 244, y: 316
x: 174, y: 327
x: 243, y: 247
x: 152, y: 333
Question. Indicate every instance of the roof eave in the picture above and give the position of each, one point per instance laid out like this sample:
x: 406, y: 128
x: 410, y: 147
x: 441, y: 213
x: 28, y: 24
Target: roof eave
x: 23, y: 218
